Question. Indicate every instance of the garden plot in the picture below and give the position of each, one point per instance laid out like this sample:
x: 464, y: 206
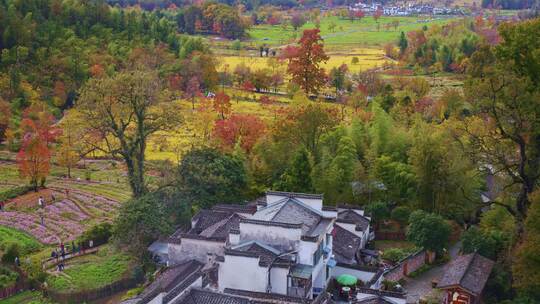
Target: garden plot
x: 64, y: 220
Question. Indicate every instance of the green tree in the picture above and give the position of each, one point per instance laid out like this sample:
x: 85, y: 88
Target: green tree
x: 124, y: 110
x: 297, y: 177
x: 379, y: 211
x: 488, y: 244
x: 428, y: 230
x: 140, y: 221
x: 402, y: 44
x: 336, y: 172
x: 526, y: 268
x: 206, y: 177
x: 447, y: 182
x: 401, y: 214
x: 505, y: 88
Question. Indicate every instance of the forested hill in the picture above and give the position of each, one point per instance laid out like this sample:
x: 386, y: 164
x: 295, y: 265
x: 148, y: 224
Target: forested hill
x: 49, y: 48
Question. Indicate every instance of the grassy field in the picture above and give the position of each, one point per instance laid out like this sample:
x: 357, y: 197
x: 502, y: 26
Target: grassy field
x: 368, y: 58
x: 172, y: 145
x: 383, y: 245
x: 25, y: 241
x: 345, y: 33
x: 91, y: 271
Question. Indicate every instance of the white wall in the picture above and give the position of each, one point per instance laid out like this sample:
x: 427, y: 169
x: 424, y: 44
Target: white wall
x: 362, y: 275
x: 244, y: 273
x: 350, y: 228
x: 234, y: 238
x: 193, y: 249
x: 328, y: 213
x: 305, y: 252
x: 279, y: 237
x: 278, y: 278
x: 318, y: 275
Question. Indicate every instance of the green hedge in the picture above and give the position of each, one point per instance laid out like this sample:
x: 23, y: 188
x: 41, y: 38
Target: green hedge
x: 7, y: 277
x: 14, y: 192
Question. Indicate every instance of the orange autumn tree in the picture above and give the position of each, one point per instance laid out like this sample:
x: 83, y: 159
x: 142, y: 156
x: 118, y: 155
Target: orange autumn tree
x: 222, y: 104
x: 33, y: 159
x: 304, y: 62
x: 242, y: 129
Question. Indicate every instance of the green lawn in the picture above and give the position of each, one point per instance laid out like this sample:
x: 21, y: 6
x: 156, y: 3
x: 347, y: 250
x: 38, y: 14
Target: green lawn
x: 25, y: 241
x: 91, y: 271
x: 363, y: 32
x: 382, y: 245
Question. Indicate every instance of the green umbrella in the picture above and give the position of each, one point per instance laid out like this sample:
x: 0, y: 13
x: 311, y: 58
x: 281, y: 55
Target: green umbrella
x: 346, y: 280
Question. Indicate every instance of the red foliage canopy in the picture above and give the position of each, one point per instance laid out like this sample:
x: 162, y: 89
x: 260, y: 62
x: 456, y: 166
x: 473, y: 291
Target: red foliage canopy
x: 244, y: 128
x: 38, y: 131
x: 304, y: 62
x: 222, y: 104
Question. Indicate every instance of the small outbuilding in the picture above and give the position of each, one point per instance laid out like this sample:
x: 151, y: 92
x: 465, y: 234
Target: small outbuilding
x: 464, y: 279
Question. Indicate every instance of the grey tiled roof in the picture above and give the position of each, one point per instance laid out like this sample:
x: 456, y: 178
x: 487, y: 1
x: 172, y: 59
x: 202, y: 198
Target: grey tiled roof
x: 207, y: 218
x: 295, y: 194
x: 293, y: 211
x: 375, y: 296
x: 234, y: 296
x: 210, y: 224
x: 374, y: 300
x: 200, y: 296
x: 265, y: 253
x: 351, y: 216
x: 221, y: 229
x: 345, y: 245
x: 264, y: 296
x: 470, y: 272
x: 170, y: 279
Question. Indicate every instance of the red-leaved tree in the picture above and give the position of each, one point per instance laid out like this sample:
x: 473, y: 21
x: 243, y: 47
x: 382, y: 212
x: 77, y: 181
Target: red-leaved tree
x: 304, y: 62
x: 245, y: 129
x: 33, y: 159
x: 222, y: 104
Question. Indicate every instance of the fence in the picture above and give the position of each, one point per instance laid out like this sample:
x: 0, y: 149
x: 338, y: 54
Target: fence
x: 21, y: 285
x: 393, y: 236
x: 408, y: 265
x: 45, y: 264
x: 94, y: 294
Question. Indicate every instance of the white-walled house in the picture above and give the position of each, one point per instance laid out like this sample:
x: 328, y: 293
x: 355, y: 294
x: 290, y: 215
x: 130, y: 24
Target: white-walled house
x: 282, y: 245
x: 283, y: 248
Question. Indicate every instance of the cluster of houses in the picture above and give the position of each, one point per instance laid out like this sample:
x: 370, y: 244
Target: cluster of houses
x: 405, y: 9
x: 282, y: 248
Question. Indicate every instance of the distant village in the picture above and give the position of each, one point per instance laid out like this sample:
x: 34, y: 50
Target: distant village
x: 406, y: 9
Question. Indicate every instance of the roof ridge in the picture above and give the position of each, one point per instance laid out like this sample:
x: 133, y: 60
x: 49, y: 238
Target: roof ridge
x: 469, y: 263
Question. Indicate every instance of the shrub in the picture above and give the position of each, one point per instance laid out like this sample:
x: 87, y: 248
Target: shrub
x: 99, y: 234
x: 401, y: 214
x: 394, y: 254
x: 236, y: 45
x: 13, y: 250
x: 14, y: 192
x: 7, y: 277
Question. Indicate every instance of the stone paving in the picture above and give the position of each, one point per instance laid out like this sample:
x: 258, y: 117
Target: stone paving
x: 421, y: 285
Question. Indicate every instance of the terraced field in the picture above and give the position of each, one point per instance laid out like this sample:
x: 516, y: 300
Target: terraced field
x: 63, y: 220
x: 77, y: 205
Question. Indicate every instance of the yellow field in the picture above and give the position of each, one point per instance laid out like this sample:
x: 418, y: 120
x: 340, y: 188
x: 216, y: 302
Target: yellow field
x: 368, y: 58
x: 172, y: 145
